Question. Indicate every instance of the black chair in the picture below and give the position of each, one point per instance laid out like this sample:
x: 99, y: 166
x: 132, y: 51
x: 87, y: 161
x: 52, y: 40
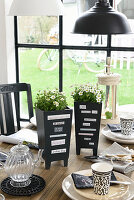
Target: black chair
x: 10, y: 106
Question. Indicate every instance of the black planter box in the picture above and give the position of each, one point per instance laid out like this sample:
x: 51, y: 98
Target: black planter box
x: 54, y: 131
x: 87, y: 125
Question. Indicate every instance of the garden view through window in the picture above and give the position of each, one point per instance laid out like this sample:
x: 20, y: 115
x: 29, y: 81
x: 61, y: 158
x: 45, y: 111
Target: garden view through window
x: 40, y: 66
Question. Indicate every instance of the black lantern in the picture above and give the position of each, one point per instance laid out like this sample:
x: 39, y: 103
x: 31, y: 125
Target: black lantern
x: 102, y: 19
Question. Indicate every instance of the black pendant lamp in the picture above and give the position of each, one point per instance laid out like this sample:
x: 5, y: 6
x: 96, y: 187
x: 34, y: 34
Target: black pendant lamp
x: 102, y: 19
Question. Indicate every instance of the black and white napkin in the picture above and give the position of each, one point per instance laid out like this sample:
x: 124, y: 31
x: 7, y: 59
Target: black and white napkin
x: 83, y: 182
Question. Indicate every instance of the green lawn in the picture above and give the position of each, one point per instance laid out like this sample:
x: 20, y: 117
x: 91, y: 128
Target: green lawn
x: 72, y: 73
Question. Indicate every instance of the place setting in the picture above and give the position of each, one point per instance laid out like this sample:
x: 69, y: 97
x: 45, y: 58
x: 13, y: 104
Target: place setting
x: 105, y: 179
x: 122, y: 133
x: 99, y: 182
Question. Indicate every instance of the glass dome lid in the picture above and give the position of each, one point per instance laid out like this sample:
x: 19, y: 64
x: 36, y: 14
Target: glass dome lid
x: 20, y: 148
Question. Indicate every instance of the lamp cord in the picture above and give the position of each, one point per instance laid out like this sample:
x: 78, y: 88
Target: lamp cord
x: 103, y: 1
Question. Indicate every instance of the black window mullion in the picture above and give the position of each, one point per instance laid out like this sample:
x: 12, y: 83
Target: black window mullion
x: 97, y: 48
x: 20, y: 45
x: 16, y: 48
x: 60, y: 53
x: 17, y: 62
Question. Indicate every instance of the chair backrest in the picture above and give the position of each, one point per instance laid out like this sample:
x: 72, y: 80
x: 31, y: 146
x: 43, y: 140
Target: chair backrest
x: 7, y: 93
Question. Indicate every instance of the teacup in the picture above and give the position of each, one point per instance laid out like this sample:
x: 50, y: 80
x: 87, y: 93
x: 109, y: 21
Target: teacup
x: 126, y: 125
x: 101, y: 177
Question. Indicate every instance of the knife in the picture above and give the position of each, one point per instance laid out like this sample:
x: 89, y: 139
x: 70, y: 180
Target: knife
x: 98, y: 157
x: 121, y: 182
x: 107, y: 158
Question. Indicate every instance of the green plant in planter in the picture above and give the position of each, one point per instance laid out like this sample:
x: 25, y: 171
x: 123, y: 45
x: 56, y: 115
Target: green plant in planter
x: 108, y: 115
x: 87, y: 106
x: 88, y: 93
x: 51, y: 105
x: 50, y: 100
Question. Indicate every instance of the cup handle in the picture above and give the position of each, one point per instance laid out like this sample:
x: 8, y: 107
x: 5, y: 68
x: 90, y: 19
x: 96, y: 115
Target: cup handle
x: 39, y: 158
x: 112, y: 160
x: 1, y: 165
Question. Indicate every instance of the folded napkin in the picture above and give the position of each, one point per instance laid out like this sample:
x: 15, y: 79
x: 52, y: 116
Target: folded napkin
x: 83, y: 182
x: 117, y: 149
x: 27, y: 135
x: 115, y: 127
x: 120, y: 166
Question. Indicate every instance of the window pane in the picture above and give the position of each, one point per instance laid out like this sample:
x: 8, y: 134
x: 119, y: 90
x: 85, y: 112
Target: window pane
x: 39, y: 30
x: 126, y: 40
x: 123, y: 63
x: 39, y: 67
x: 73, y: 9
x: 81, y: 67
x: 127, y: 8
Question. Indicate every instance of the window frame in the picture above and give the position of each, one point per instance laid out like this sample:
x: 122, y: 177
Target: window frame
x: 62, y: 47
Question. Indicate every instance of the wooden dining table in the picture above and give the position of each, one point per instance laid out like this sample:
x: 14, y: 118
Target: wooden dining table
x: 57, y: 172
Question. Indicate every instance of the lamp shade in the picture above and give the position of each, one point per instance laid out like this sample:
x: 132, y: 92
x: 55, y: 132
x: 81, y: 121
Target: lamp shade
x: 36, y: 8
x: 102, y: 19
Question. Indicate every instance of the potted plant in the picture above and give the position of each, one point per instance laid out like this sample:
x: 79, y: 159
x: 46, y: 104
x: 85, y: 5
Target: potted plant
x: 108, y: 114
x: 87, y: 106
x: 54, y: 121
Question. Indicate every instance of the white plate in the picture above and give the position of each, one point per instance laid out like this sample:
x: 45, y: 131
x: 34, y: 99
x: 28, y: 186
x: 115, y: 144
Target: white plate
x: 33, y: 121
x: 68, y: 187
x: 111, y: 136
x: 124, y: 137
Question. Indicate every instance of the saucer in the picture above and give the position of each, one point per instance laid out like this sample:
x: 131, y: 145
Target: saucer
x: 124, y: 137
x: 121, y: 192
x: 113, y: 136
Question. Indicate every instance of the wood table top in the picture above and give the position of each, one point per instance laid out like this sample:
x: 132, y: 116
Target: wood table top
x: 56, y: 174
